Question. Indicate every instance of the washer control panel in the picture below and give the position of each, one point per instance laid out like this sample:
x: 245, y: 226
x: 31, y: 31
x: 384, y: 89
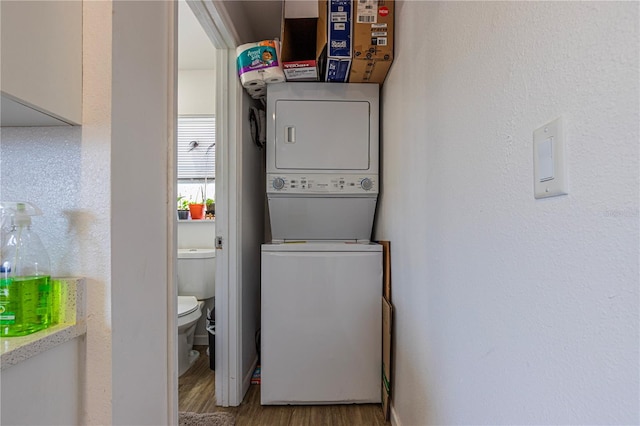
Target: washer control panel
x: 321, y: 183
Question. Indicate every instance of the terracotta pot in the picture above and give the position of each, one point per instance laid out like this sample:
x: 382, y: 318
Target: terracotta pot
x: 196, y: 210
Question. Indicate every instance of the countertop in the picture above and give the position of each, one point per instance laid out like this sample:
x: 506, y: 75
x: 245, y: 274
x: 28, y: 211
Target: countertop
x: 72, y: 324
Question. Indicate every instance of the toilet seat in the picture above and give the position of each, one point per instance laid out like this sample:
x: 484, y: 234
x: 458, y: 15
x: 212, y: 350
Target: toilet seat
x: 186, y: 305
x: 189, y: 311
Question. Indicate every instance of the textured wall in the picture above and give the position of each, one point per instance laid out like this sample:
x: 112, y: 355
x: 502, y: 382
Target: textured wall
x: 66, y: 172
x: 95, y: 247
x: 43, y: 165
x: 511, y: 310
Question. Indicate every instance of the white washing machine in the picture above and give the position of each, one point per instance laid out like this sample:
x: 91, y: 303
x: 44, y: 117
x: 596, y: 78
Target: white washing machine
x: 321, y: 323
x: 321, y: 313
x: 322, y: 160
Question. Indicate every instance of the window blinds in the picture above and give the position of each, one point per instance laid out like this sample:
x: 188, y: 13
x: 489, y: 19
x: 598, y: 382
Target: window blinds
x: 196, y: 146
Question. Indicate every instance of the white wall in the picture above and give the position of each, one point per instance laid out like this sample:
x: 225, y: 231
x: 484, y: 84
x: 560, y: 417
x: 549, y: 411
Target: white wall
x: 196, y: 92
x: 511, y: 310
x: 142, y: 152
x: 93, y: 221
x: 197, y: 234
x: 251, y: 206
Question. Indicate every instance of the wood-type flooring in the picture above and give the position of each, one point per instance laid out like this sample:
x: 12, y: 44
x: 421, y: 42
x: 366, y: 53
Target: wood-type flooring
x: 196, y: 389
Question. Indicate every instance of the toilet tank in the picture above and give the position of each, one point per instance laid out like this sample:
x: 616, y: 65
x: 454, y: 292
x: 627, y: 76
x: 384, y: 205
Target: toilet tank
x: 197, y: 272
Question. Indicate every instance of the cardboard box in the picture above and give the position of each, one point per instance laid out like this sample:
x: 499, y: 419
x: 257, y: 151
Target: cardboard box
x: 387, y: 323
x: 386, y: 269
x: 372, y: 41
x: 336, y: 16
x: 368, y: 71
x: 300, y: 40
x: 387, y: 329
x: 317, y: 40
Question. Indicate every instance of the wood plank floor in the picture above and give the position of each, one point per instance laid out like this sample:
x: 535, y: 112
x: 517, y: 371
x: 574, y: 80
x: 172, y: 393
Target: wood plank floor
x: 196, y: 390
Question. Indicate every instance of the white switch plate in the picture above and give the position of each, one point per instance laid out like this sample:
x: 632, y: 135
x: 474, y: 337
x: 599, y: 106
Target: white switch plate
x: 550, y: 174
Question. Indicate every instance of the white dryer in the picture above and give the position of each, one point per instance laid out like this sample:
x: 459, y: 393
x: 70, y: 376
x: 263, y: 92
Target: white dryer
x: 322, y: 160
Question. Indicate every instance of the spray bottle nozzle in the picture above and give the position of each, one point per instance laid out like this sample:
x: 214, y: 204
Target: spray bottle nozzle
x: 17, y: 213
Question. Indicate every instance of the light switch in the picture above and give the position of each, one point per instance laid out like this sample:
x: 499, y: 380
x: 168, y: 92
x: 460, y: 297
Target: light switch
x: 545, y: 160
x: 548, y: 158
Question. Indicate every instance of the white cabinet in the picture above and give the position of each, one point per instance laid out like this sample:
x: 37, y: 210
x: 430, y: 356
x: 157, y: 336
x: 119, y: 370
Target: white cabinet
x: 41, y: 52
x: 45, y: 389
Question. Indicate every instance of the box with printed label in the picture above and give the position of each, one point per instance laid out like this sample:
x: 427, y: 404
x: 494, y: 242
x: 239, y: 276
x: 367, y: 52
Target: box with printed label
x: 337, y: 17
x: 372, y: 41
x: 339, y: 29
x: 302, y: 40
x: 337, y: 69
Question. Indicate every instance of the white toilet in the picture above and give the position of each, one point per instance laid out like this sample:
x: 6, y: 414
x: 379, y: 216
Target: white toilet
x: 196, y: 282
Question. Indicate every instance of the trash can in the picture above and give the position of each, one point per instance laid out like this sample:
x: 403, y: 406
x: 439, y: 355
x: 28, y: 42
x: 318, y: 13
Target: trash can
x: 211, y: 329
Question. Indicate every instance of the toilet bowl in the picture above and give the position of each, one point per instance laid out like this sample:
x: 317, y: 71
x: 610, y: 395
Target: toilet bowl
x: 189, y: 312
x: 196, y: 283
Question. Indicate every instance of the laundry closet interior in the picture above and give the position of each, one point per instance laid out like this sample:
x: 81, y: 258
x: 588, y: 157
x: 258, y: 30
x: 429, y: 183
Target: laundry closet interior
x: 311, y: 329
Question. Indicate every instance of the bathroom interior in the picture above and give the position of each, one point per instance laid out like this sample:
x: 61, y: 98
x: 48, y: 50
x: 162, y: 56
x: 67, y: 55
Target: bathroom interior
x: 195, y: 184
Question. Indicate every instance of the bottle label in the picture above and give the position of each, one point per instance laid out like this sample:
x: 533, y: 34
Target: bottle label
x: 6, y: 316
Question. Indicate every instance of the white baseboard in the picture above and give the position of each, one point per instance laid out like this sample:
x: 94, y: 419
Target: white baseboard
x: 395, y: 421
x: 201, y: 340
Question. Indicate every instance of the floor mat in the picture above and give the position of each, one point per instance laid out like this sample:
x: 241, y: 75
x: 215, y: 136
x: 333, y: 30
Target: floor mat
x: 205, y: 419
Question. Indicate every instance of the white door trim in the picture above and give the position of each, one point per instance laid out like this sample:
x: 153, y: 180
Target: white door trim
x: 217, y: 25
x: 172, y: 229
x: 225, y: 328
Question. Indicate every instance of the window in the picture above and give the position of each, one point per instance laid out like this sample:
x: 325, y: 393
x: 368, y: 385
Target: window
x: 196, y: 156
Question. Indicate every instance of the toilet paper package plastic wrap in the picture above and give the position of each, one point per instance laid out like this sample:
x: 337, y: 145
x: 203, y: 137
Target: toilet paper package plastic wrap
x: 275, y: 74
x: 258, y: 63
x: 257, y: 92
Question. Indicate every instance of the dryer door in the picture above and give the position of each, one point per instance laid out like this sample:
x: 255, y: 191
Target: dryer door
x: 322, y: 135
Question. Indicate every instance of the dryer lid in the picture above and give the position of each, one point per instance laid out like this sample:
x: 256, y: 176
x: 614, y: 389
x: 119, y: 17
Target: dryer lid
x: 186, y: 305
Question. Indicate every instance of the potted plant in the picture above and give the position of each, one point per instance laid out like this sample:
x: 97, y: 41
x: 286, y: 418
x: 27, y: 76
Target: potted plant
x: 211, y: 206
x: 197, y: 209
x: 183, y: 208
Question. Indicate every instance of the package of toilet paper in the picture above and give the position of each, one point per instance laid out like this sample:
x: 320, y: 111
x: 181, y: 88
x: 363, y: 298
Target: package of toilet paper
x: 258, y: 63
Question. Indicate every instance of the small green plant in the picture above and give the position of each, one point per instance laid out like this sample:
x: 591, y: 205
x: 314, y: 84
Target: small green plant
x: 183, y: 203
x: 209, y: 201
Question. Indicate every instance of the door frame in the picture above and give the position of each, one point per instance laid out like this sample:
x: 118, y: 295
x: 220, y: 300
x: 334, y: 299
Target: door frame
x: 217, y: 25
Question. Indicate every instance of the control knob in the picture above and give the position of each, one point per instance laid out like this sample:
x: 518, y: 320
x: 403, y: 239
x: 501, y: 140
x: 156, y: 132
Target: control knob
x: 366, y: 184
x: 278, y: 183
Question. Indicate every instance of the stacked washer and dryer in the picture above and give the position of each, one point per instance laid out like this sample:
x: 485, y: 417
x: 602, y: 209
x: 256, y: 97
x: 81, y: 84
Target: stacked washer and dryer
x: 321, y: 276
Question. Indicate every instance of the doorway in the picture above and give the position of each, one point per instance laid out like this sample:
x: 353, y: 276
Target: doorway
x: 202, y: 93
x: 240, y: 213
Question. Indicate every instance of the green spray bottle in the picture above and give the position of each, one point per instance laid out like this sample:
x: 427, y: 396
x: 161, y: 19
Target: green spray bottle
x: 25, y: 273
